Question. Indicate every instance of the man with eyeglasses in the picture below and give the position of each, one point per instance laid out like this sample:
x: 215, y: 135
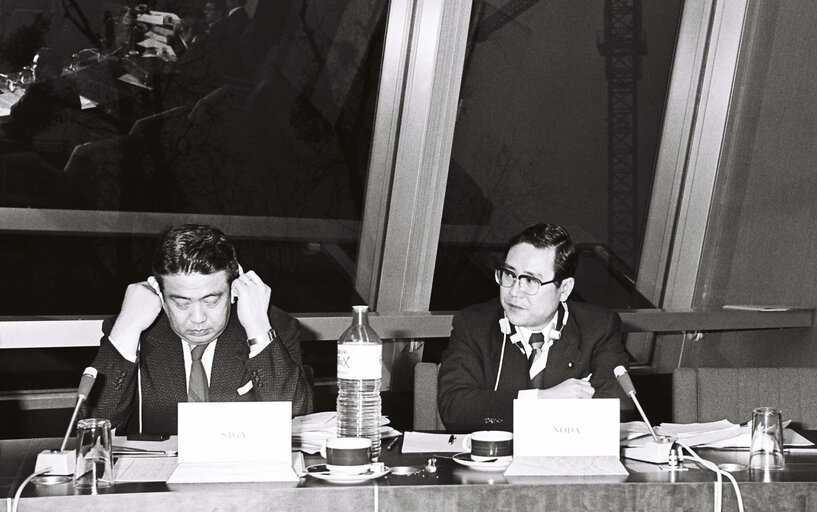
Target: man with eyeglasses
x: 529, y: 341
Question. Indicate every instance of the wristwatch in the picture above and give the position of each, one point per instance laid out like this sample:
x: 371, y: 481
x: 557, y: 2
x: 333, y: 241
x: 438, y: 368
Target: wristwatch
x: 271, y: 335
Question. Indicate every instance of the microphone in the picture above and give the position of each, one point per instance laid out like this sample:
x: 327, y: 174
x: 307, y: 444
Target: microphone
x: 624, y: 380
x: 60, y: 461
x: 85, y: 385
x: 657, y: 451
x: 626, y: 384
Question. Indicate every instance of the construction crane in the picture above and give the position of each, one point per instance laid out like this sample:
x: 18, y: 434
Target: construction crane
x: 622, y: 46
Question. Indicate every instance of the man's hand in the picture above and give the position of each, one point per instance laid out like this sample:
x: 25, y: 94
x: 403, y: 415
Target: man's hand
x: 140, y: 307
x: 571, y: 388
x: 253, y: 302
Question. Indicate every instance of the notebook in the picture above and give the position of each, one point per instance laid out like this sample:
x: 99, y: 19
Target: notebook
x: 561, y: 437
x: 234, y: 442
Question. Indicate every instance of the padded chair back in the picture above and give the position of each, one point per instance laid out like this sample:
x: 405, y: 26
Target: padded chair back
x: 426, y: 415
x: 711, y: 394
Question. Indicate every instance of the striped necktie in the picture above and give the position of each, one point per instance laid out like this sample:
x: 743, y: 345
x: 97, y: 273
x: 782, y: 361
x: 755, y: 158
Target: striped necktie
x: 536, y: 340
x: 198, y: 390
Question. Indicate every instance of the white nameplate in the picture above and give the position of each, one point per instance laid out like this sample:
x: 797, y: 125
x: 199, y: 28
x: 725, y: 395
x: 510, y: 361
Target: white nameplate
x: 566, y: 427
x: 235, y: 432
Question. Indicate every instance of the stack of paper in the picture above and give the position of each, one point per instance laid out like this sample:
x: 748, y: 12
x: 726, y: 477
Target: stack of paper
x: 422, y: 442
x: 122, y: 447
x: 311, y: 431
x: 714, y: 434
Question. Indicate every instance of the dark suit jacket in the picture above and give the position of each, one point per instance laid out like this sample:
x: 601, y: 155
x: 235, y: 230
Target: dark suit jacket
x: 44, y: 102
x: 590, y: 342
x: 224, y: 44
x: 276, y: 373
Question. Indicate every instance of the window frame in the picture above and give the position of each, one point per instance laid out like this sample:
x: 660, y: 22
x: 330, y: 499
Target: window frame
x: 401, y: 227
x: 689, y: 150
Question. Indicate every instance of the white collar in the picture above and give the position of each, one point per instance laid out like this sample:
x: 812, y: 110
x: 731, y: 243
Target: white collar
x: 525, y: 333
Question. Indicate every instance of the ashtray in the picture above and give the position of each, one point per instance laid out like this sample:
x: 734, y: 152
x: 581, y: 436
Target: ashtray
x: 51, y: 479
x: 405, y: 470
x: 731, y: 467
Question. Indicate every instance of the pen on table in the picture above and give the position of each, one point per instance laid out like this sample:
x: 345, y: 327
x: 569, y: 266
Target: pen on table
x: 451, y: 439
x: 393, y: 442
x: 587, y: 379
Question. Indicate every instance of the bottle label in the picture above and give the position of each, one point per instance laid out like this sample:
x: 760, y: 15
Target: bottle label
x: 360, y: 361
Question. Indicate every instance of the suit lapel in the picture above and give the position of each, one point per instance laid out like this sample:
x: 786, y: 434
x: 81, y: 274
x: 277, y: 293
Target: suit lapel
x: 161, y: 350
x: 564, y: 356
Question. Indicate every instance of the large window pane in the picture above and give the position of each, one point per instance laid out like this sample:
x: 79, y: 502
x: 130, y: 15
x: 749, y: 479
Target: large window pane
x: 545, y: 123
x: 267, y: 116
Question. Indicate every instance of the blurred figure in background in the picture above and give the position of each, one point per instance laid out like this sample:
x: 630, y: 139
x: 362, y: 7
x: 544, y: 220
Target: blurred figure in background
x: 49, y: 99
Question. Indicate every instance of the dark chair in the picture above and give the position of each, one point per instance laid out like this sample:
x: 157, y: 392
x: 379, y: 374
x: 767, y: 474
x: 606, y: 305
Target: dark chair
x: 426, y: 415
x: 712, y: 394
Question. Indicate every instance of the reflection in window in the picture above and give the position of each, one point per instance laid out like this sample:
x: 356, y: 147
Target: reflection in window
x: 531, y: 140
x: 249, y: 108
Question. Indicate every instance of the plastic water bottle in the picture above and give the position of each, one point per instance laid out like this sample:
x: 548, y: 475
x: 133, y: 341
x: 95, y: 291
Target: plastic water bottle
x: 360, y: 356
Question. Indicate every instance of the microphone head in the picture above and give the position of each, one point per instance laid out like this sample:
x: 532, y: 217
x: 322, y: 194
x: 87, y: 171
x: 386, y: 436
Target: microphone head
x: 86, y: 382
x: 624, y: 380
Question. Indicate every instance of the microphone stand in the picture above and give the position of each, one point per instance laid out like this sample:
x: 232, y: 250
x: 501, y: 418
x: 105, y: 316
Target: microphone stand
x: 657, y: 449
x: 80, y: 400
x: 644, y: 416
x: 61, y: 462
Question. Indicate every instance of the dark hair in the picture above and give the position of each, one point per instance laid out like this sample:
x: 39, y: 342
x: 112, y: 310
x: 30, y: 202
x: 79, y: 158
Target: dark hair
x: 220, y: 5
x: 543, y: 236
x: 194, y: 248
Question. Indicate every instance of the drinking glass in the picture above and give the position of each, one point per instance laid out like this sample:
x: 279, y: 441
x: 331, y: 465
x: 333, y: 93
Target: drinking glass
x: 94, y: 466
x: 766, y: 451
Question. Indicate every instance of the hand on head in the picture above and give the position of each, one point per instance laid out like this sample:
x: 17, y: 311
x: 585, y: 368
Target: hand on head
x: 253, y: 296
x: 570, y: 388
x: 140, y: 307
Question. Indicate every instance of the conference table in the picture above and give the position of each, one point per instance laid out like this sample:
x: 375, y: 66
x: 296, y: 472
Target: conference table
x: 451, y: 487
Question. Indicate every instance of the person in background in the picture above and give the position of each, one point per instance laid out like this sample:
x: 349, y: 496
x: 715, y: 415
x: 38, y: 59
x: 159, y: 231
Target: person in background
x: 530, y: 340
x: 198, y: 329
x: 214, y: 12
x: 50, y: 99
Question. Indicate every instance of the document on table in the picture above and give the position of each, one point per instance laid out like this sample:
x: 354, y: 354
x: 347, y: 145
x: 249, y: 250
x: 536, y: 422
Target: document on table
x: 130, y: 79
x: 744, y: 438
x: 714, y: 434
x: 144, y: 469
x: 86, y: 103
x: 421, y: 442
x: 691, y: 434
x: 311, y: 431
x: 159, y: 469
x: 122, y: 447
x: 221, y: 472
x: 751, y: 307
x: 7, y: 100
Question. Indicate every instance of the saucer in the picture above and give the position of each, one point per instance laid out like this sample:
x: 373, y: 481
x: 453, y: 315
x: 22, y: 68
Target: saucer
x: 319, y: 471
x: 464, y: 458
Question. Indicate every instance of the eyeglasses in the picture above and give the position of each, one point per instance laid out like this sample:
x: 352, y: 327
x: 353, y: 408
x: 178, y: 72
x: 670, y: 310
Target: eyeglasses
x: 529, y: 285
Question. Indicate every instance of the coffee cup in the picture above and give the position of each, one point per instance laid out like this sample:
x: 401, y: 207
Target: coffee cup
x: 349, y: 455
x: 486, y: 445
